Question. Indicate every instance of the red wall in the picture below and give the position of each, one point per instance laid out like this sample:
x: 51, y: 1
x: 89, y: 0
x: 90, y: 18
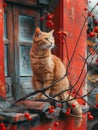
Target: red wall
x: 2, y: 79
x: 69, y: 17
x: 62, y: 125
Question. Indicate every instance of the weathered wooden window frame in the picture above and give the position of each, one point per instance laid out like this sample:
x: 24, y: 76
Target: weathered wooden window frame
x: 13, y: 78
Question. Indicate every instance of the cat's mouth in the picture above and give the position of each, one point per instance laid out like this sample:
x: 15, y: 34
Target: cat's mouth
x: 48, y: 46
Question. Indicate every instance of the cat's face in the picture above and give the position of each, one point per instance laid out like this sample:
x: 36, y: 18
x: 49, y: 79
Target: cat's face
x: 43, y: 40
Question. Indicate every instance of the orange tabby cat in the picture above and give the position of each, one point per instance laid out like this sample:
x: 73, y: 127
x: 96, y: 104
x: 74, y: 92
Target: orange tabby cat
x: 48, y: 68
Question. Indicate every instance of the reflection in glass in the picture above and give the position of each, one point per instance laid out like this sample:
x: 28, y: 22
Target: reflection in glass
x: 25, y: 68
x: 6, y: 60
x: 26, y: 28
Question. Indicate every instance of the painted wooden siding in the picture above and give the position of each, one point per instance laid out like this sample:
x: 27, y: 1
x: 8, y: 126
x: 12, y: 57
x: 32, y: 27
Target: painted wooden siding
x: 69, y: 17
x: 2, y: 79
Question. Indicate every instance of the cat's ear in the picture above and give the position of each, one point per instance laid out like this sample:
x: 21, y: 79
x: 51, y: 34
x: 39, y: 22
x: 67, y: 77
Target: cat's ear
x: 51, y: 32
x: 37, y: 32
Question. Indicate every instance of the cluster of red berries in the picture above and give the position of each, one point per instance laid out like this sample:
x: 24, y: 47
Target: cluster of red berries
x: 67, y: 113
x: 27, y: 115
x: 89, y: 116
x: 49, y: 20
x: 2, y: 126
x: 51, y: 109
x: 89, y: 13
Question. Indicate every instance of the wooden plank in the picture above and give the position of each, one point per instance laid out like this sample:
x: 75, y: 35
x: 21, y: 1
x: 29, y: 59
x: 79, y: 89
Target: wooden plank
x: 16, y: 78
x: 15, y: 117
x: 23, y: 2
x: 39, y: 107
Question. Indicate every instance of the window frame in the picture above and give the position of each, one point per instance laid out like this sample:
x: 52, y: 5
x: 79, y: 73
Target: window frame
x: 13, y: 79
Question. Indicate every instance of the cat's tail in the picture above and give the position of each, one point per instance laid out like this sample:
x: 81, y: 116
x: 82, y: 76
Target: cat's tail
x: 76, y: 111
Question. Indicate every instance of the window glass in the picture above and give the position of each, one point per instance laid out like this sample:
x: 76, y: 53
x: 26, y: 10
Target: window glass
x: 25, y: 68
x: 26, y: 28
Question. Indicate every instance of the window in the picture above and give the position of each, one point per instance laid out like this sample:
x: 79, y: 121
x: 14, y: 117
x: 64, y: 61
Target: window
x: 19, y: 26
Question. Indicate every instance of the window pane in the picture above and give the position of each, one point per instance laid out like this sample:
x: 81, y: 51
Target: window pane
x: 5, y: 32
x: 25, y: 69
x: 6, y: 61
x: 26, y: 28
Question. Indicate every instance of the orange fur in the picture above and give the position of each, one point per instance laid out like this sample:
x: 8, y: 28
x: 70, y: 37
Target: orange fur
x: 48, y: 68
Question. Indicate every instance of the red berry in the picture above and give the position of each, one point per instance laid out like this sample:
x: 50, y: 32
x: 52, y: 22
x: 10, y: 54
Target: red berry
x: 91, y: 34
x: 89, y: 14
x: 73, y: 105
x: 49, y: 23
x: 88, y: 113
x: 51, y: 107
x: 68, y: 109
x: 42, y: 18
x: 85, y: 9
x: 67, y: 113
x: 4, y: 4
x: 84, y: 103
x: 90, y: 117
x: 97, y: 105
x: 95, y: 21
x: 96, y: 29
x: 59, y: 105
x: 91, y: 49
x: 49, y: 17
x: 97, y: 60
x: 93, y: 15
x: 29, y: 118
x: 2, y: 124
x: 3, y: 128
x: 26, y: 114
x: 51, y: 111
x: 56, y: 124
